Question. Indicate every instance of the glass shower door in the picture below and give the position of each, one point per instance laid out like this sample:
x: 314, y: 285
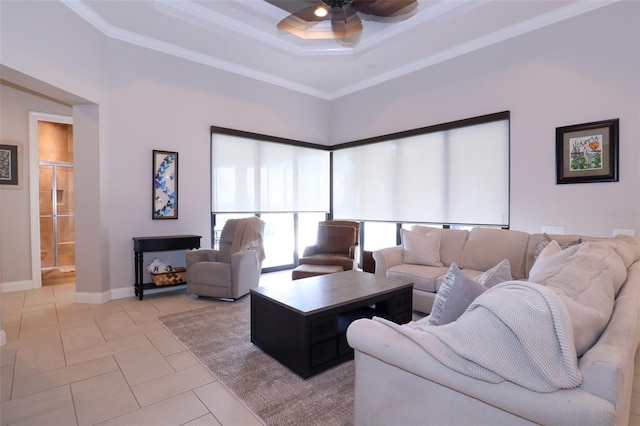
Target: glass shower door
x: 57, y: 222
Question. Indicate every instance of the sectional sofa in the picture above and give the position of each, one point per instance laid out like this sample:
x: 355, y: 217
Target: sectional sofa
x: 418, y: 374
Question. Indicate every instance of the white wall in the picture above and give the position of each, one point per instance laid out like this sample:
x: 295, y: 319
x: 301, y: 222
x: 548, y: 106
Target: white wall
x: 557, y: 76
x: 127, y: 102
x: 139, y: 100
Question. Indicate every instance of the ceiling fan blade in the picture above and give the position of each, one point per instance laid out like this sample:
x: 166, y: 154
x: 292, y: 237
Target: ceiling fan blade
x: 384, y: 8
x: 345, y: 23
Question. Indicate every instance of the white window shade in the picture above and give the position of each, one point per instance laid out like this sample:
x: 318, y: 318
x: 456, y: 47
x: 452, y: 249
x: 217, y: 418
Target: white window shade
x: 456, y: 176
x: 251, y: 175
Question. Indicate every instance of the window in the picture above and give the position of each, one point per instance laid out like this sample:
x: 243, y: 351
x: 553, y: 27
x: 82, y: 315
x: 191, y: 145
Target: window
x: 455, y: 174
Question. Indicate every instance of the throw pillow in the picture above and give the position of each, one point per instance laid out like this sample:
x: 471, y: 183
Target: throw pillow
x: 496, y: 275
x: 421, y: 249
x: 455, y: 295
x: 551, y: 260
x: 545, y: 240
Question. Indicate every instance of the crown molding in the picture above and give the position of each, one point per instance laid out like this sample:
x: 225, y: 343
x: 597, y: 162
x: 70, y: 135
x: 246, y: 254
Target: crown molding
x: 201, y: 15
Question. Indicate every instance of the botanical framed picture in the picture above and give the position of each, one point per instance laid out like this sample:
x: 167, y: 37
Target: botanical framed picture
x: 10, y: 165
x: 165, y: 185
x: 587, y: 152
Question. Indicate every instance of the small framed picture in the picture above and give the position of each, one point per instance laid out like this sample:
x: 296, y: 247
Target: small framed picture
x: 10, y: 165
x: 165, y: 185
x: 587, y: 152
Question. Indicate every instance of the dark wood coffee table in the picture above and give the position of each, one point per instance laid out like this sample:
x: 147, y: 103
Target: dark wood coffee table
x: 303, y: 324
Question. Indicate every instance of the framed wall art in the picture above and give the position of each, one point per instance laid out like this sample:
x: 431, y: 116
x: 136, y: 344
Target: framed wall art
x: 165, y: 185
x: 10, y: 165
x: 587, y: 152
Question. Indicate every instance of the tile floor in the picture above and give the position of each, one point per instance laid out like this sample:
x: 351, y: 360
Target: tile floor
x: 115, y: 364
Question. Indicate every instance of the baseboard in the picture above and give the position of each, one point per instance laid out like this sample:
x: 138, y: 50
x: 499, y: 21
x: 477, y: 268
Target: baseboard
x: 3, y: 338
x: 17, y: 286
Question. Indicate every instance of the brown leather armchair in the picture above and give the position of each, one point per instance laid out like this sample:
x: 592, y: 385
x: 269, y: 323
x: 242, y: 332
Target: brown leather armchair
x: 336, y: 244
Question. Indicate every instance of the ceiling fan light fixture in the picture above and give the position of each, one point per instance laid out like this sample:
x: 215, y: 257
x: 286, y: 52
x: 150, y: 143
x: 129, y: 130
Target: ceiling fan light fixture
x: 321, y: 12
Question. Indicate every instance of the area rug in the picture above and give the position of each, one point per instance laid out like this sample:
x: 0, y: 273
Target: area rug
x: 220, y: 337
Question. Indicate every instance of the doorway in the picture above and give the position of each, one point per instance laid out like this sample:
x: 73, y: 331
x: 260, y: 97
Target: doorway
x: 56, y: 202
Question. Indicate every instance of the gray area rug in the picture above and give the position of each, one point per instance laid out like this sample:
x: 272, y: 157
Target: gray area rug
x: 220, y: 337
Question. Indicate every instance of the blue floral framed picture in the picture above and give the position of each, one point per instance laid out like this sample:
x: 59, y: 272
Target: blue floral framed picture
x: 165, y: 185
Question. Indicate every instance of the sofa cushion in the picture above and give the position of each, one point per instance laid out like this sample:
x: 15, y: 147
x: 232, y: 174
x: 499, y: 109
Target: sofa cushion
x: 486, y: 247
x: 583, y: 277
x: 496, y: 275
x: 455, y: 295
x: 452, y: 242
x: 420, y: 249
x: 545, y: 240
x: 551, y: 260
x: 423, y: 277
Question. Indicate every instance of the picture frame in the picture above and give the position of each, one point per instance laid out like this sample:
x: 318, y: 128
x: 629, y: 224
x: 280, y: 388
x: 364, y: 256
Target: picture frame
x: 165, y: 185
x: 587, y: 152
x: 10, y: 165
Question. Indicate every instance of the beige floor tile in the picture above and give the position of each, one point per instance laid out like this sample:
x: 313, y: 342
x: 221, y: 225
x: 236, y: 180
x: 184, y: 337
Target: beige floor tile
x: 39, y: 322
x: 636, y: 382
x: 113, y: 321
x: 206, y: 420
x: 182, y: 360
x: 34, y: 308
x: 225, y: 407
x: 634, y: 420
x: 35, y: 405
x: 11, y: 330
x: 39, y: 358
x: 102, y: 398
x: 138, y: 330
x: 173, y: 384
x: 6, y: 382
x: 142, y: 364
x: 69, y: 306
x: 82, y: 337
x: 165, y: 342
x: 105, y: 349
x: 106, y: 308
x: 65, y: 416
x: 39, y: 296
x: 62, y: 376
x: 73, y: 319
x: 173, y: 411
x: 635, y: 403
x: 7, y: 356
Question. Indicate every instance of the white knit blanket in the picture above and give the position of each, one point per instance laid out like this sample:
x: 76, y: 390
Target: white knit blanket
x: 516, y: 331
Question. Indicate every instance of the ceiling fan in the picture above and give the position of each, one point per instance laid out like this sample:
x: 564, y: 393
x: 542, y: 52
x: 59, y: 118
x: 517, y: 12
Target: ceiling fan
x: 346, y: 24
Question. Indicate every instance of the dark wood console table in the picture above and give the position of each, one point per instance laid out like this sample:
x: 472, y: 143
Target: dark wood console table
x: 162, y: 243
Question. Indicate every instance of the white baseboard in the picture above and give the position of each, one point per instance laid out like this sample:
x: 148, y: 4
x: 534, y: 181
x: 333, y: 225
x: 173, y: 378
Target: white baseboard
x: 3, y: 338
x: 17, y: 286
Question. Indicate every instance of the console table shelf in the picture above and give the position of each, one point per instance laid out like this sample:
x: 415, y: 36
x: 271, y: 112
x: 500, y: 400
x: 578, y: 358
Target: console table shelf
x: 159, y: 243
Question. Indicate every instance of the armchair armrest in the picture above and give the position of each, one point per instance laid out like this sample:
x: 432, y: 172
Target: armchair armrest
x: 387, y: 258
x: 245, y: 272
x: 200, y: 255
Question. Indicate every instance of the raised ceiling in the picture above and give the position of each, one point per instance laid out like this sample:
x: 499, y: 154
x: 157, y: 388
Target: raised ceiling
x: 240, y: 36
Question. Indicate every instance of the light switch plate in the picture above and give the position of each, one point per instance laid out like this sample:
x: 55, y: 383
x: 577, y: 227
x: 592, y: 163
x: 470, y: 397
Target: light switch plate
x: 557, y: 230
x: 624, y: 232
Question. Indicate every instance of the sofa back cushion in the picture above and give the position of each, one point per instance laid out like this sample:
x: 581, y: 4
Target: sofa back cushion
x: 583, y: 277
x: 421, y: 249
x: 452, y: 242
x: 486, y: 247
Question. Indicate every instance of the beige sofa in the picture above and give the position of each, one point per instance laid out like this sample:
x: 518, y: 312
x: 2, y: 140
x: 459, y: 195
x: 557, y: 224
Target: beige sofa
x: 473, y: 251
x: 399, y: 382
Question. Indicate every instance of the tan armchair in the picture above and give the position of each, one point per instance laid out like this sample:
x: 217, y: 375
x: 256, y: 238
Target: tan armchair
x: 232, y: 270
x: 335, y: 245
